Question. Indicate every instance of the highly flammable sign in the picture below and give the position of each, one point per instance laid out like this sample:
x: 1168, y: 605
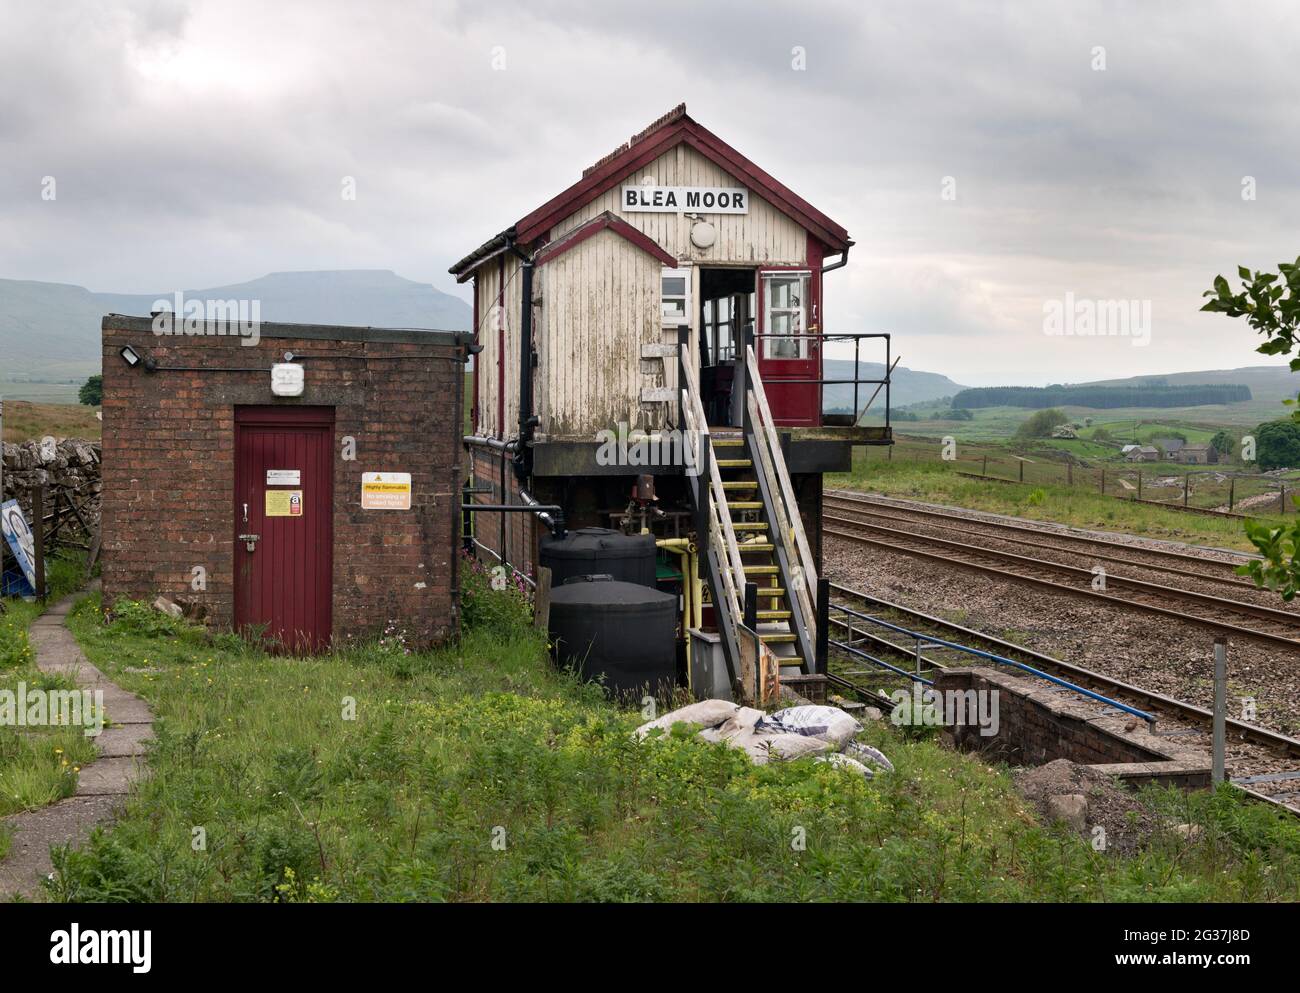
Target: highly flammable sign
x: 385, y: 491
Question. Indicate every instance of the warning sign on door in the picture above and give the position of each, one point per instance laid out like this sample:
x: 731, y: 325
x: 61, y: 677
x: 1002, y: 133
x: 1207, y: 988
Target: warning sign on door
x: 385, y: 491
x: 284, y: 503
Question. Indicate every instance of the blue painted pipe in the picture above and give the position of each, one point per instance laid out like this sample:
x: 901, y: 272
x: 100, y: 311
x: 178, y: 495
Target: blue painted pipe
x: 1149, y: 718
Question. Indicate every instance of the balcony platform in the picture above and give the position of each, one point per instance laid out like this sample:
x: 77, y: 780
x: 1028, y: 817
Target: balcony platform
x: 808, y: 450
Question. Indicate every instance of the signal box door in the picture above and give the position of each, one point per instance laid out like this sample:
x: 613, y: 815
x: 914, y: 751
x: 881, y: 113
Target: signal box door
x: 787, y: 346
x: 284, y: 527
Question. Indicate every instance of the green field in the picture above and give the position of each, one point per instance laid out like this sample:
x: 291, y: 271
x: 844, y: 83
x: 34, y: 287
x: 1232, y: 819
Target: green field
x: 930, y: 479
x: 1199, y: 424
x: 479, y: 773
x: 40, y: 392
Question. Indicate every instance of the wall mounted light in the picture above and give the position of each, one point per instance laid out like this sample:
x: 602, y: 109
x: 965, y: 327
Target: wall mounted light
x: 132, y: 358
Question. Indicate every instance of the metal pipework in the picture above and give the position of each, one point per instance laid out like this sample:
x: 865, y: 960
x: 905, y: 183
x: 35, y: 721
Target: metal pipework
x: 550, y: 514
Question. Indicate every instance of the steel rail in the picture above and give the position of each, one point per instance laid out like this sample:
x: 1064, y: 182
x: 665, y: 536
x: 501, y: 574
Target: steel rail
x: 957, y: 551
x: 1191, y: 713
x: 1158, y: 701
x: 1041, y: 533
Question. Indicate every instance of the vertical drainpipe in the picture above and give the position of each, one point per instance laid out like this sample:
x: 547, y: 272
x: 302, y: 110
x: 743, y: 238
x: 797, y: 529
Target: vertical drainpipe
x: 501, y: 351
x: 527, y: 420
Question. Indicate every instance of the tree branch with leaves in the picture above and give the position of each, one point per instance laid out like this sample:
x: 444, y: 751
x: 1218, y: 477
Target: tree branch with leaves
x: 1270, y: 302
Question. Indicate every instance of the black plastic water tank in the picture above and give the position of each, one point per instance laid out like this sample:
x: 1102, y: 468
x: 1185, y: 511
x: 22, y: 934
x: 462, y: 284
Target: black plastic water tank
x: 629, y: 558
x: 622, y: 631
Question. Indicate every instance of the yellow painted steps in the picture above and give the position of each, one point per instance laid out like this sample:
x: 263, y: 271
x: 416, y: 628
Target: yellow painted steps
x: 734, y: 464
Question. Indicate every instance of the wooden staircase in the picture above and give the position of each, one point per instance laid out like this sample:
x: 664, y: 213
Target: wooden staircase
x: 760, y: 572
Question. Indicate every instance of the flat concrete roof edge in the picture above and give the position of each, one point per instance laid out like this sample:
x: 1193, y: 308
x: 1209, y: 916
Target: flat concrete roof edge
x: 323, y: 332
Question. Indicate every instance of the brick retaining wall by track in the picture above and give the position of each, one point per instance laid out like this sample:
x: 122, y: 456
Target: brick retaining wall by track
x: 1038, y: 723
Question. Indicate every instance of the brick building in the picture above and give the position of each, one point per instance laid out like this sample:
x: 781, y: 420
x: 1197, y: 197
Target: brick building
x: 316, y: 502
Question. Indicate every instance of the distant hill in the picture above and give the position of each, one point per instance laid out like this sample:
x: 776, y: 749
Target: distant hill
x: 907, y: 386
x: 1148, y: 392
x: 1266, y: 382
x: 50, y: 331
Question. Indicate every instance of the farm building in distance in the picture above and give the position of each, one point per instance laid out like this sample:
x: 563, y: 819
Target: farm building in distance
x: 1198, y: 455
x: 1142, y: 453
x: 652, y: 343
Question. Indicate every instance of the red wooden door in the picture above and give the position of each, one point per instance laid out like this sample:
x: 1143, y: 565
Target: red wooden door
x: 788, y: 304
x: 284, y: 528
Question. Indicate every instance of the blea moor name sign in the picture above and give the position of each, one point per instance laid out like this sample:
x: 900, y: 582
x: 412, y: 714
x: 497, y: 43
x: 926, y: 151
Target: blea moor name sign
x: 695, y: 199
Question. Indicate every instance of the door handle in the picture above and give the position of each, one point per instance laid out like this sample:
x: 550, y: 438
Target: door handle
x: 245, y: 513
x: 250, y: 541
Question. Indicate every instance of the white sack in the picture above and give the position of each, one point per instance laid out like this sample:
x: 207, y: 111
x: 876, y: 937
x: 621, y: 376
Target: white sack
x: 705, y: 714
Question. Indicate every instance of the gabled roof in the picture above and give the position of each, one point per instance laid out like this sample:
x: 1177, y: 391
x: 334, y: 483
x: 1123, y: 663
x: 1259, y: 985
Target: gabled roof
x: 604, y: 221
x: 673, y: 129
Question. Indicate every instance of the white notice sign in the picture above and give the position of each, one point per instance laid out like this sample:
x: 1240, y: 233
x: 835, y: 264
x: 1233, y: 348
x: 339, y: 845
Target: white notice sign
x: 385, y: 491
x: 283, y: 477
x: 686, y: 199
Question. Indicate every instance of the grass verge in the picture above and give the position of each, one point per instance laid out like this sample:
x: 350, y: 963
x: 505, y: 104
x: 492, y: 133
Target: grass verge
x: 937, y: 482
x: 38, y: 764
x: 478, y: 773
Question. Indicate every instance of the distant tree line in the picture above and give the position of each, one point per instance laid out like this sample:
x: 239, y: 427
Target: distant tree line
x: 1101, y: 397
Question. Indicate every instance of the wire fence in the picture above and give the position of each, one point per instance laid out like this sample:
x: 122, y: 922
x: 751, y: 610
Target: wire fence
x: 1213, y: 489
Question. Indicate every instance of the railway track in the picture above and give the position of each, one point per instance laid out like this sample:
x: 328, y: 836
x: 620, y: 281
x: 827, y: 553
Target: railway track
x: 1219, y: 613
x: 1263, y: 763
x: 1164, y: 560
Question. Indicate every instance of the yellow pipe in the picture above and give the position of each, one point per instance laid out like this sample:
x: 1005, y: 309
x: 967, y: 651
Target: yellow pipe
x: 681, y: 548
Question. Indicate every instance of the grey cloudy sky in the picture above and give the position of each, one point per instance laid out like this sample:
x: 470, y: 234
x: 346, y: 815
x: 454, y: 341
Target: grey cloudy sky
x: 202, y: 143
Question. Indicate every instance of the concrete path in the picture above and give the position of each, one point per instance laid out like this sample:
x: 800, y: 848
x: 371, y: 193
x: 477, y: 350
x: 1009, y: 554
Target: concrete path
x: 101, y: 786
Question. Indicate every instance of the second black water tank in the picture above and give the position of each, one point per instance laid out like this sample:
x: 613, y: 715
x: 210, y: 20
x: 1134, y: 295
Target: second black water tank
x: 621, y: 634
x: 629, y: 558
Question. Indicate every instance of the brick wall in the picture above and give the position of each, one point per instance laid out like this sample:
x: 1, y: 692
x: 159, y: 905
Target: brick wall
x: 1037, y: 724
x: 521, y: 532
x: 168, y: 468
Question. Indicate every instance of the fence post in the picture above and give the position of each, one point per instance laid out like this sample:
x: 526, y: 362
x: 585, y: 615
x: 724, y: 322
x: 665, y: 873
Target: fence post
x: 1139, y: 496
x: 1103, y: 481
x: 823, y: 624
x: 1022, y: 470
x: 1220, y: 708
x: 38, y: 538
x: 1187, y: 485
x: 1069, y: 473
x: 1281, y: 498
x: 985, y: 471
x: 1232, y: 490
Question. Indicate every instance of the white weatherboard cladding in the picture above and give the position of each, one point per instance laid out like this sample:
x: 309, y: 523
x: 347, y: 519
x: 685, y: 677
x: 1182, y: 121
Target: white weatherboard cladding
x: 600, y: 305
x: 763, y: 236
x: 487, y: 288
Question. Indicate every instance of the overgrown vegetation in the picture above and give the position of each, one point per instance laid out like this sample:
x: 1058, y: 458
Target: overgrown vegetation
x: 479, y: 773
x: 1270, y: 302
x: 1041, y: 424
x: 38, y: 765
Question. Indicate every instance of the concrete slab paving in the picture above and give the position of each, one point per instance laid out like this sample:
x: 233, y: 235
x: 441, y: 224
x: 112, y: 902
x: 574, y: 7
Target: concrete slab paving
x: 68, y: 822
x: 101, y: 786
